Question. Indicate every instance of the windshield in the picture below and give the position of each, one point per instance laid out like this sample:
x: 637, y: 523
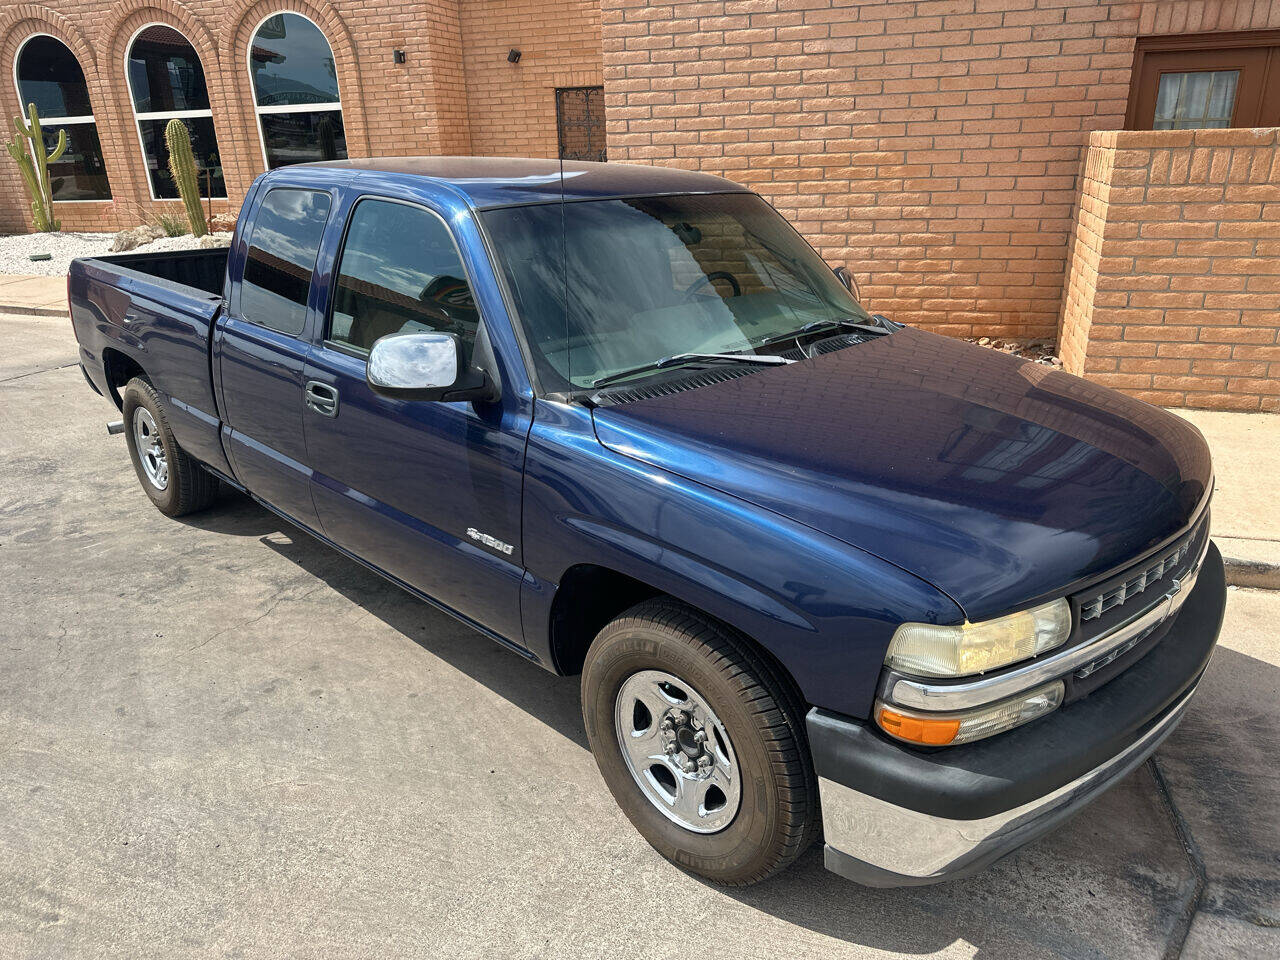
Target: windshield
x: 655, y: 278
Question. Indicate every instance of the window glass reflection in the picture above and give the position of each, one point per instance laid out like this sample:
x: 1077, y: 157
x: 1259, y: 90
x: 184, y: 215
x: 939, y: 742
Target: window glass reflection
x: 399, y: 273
x: 291, y: 63
x: 204, y: 147
x: 165, y: 72
x: 48, y: 75
x: 303, y: 137
x: 79, y: 174
x: 166, y: 82
x: 282, y: 255
x: 290, y: 66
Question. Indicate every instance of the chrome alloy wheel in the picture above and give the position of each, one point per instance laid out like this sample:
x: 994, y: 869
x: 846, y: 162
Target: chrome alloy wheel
x: 678, y: 751
x: 146, y: 437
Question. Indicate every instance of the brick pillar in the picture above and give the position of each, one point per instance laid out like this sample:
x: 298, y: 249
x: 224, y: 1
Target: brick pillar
x: 1173, y: 287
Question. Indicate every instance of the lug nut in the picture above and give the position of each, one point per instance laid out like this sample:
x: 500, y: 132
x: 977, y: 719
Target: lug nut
x: 704, y: 761
x: 700, y: 736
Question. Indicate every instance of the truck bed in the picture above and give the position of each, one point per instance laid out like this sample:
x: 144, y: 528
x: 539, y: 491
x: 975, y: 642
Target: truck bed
x: 206, y: 270
x: 154, y: 312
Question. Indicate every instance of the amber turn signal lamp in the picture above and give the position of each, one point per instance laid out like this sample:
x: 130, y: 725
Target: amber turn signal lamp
x: 934, y: 733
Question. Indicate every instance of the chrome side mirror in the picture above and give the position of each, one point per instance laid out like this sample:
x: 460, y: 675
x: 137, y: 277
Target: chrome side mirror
x: 850, y: 284
x: 425, y: 366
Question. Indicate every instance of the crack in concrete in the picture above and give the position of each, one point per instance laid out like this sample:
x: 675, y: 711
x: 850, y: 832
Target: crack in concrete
x: 1192, y: 850
x: 33, y: 373
x: 277, y: 599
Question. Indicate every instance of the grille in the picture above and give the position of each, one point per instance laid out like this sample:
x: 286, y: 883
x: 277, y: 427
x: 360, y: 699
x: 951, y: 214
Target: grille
x: 1093, y: 607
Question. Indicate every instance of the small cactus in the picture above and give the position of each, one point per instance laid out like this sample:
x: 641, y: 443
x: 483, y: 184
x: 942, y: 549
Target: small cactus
x: 182, y: 164
x: 326, y: 134
x: 29, y: 153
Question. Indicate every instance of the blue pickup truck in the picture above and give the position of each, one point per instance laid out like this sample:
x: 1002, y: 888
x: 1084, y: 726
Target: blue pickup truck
x: 822, y: 574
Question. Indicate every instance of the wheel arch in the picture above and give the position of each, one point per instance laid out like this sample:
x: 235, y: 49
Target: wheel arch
x: 120, y: 368
x: 591, y: 595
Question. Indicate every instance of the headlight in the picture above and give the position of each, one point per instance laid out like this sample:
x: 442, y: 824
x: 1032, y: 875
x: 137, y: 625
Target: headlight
x: 941, y: 729
x: 961, y: 651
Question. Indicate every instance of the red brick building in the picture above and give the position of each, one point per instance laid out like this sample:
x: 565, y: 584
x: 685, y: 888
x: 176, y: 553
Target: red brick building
x: 962, y: 156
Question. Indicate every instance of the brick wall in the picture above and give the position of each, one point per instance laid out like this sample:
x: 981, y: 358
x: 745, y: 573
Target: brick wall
x: 933, y: 146
x: 512, y: 106
x: 1173, y: 290
x: 439, y: 101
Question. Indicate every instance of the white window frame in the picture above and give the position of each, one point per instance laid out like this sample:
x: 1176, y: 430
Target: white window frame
x: 162, y: 114
x: 60, y: 121
x: 332, y: 106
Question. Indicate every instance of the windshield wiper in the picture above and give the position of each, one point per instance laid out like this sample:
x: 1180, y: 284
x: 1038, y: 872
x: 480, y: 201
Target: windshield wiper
x: 840, y: 324
x: 680, y: 358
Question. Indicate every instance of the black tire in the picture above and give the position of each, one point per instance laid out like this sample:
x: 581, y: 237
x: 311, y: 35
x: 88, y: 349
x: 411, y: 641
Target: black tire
x: 189, y: 486
x: 777, y: 815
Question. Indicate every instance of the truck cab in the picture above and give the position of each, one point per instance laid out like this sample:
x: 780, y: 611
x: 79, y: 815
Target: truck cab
x: 815, y: 568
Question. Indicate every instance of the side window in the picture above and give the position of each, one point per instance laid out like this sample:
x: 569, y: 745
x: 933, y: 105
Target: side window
x: 282, y: 255
x: 399, y: 272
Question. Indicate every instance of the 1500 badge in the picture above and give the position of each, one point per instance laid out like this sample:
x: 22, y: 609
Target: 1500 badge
x: 489, y: 541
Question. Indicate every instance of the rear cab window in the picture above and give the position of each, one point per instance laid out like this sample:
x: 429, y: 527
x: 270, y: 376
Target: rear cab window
x: 283, y: 246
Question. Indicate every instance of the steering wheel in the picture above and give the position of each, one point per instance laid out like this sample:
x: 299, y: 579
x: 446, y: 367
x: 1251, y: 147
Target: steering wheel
x: 712, y: 278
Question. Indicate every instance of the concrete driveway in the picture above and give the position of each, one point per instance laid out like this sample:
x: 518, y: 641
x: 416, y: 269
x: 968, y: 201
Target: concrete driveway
x: 220, y: 738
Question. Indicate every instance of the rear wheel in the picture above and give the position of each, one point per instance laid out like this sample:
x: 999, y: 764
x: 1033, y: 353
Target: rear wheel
x: 175, y: 483
x: 701, y: 741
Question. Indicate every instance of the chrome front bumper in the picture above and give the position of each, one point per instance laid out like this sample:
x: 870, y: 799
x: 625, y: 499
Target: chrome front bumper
x: 880, y: 844
x: 899, y: 816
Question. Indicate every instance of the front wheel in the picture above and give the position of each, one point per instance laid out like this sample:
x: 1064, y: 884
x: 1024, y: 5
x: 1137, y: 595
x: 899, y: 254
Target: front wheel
x: 175, y: 483
x: 701, y: 742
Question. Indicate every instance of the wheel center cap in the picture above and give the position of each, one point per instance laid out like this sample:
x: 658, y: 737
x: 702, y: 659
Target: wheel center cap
x: 687, y: 743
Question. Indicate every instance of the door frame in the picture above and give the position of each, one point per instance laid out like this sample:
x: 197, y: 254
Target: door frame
x: 1198, y: 42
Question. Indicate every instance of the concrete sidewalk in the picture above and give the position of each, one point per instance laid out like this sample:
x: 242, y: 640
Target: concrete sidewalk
x: 1246, y: 510
x: 1246, y: 455
x: 27, y: 295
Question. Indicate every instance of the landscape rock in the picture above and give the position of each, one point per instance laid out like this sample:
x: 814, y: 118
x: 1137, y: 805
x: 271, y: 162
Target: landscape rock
x: 1039, y: 351
x: 211, y: 240
x: 135, y: 237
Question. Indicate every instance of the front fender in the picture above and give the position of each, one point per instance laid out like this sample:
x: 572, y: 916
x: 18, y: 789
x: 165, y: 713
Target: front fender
x: 824, y: 609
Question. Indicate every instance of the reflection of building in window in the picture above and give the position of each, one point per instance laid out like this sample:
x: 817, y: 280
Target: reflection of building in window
x: 287, y: 229
x: 295, y: 90
x: 400, y: 273
x: 48, y: 75
x: 166, y: 82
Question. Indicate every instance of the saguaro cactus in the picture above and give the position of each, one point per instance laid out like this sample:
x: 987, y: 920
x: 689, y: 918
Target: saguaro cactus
x: 326, y: 134
x: 28, y: 152
x: 182, y: 164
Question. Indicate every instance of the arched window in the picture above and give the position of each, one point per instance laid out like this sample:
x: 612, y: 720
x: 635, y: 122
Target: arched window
x: 295, y: 89
x: 48, y: 75
x: 166, y: 81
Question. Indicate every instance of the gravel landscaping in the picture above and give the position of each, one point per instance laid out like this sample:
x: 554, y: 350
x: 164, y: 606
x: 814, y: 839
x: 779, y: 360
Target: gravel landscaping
x: 16, y: 250
x: 1041, y: 351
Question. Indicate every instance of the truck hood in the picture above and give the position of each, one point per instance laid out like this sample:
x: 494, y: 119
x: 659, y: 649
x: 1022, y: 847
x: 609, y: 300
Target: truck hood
x: 998, y: 480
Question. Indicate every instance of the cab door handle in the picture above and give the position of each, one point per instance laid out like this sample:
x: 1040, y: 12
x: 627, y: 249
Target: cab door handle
x: 322, y: 398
